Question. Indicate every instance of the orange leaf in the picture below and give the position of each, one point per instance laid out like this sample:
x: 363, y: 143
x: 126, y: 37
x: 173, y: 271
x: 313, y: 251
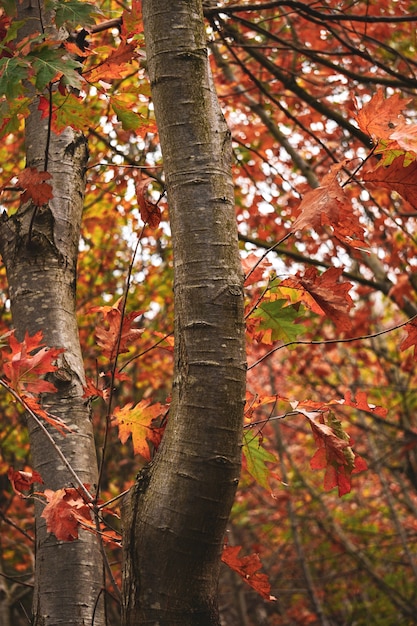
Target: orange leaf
x: 136, y: 420
x: 35, y: 188
x: 380, y: 116
x: 248, y: 569
x: 115, y: 66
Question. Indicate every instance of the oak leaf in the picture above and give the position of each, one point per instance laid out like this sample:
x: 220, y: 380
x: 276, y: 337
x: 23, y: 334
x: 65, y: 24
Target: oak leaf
x: 64, y: 512
x: 380, y: 116
x: 115, y: 335
x: 23, y: 480
x: 248, y: 569
x: 400, y: 176
x: 139, y: 421
x: 255, y: 457
x: 27, y: 362
x: 34, y: 185
x: 411, y: 339
x: 334, y: 453
x: 115, y: 65
x: 150, y: 212
x: 254, y: 269
x: 328, y: 206
x: 324, y: 294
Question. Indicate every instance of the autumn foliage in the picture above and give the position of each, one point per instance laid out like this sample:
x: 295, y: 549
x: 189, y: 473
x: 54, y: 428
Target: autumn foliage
x: 320, y: 101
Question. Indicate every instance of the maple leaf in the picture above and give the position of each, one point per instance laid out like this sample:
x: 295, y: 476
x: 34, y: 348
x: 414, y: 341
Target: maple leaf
x: 149, y: 211
x: 399, y: 176
x: 64, y: 512
x: 107, y: 336
x: 248, y: 569
x: 411, y: 339
x: 35, y: 188
x: 256, y: 457
x: 328, y: 205
x: 22, y: 480
x: 324, y: 294
x: 137, y: 421
x: 380, y: 116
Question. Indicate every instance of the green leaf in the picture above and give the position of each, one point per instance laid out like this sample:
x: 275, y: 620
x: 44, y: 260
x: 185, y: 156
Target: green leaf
x: 280, y: 320
x: 73, y: 14
x: 49, y: 62
x: 11, y: 112
x: 129, y: 119
x: 256, y: 456
x: 12, y: 74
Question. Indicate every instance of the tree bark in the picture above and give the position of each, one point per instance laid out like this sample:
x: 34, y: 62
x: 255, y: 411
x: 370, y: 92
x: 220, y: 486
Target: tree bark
x: 39, y: 248
x: 176, y: 516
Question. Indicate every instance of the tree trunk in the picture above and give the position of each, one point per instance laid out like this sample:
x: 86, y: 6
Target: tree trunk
x: 176, y: 517
x: 39, y: 248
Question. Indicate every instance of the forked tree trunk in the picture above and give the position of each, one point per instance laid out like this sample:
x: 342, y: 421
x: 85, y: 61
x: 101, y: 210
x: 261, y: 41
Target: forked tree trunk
x: 40, y: 252
x: 176, y: 518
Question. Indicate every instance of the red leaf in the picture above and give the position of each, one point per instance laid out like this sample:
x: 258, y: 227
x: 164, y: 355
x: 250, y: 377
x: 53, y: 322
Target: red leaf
x: 21, y: 481
x: 34, y: 186
x: 248, y: 569
x: 361, y: 404
x: 411, y: 339
x: 149, y: 212
x: 324, y: 294
x: 254, y: 275
x: 107, y: 335
x: 24, y: 370
x: 397, y: 177
x: 64, y: 513
x: 328, y: 206
x: 334, y: 453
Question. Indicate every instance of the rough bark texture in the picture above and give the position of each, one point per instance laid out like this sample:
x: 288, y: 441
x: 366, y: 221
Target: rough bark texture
x: 176, y: 518
x: 40, y: 252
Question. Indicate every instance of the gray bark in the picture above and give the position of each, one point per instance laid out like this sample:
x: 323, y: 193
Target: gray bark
x: 178, y: 510
x: 40, y: 253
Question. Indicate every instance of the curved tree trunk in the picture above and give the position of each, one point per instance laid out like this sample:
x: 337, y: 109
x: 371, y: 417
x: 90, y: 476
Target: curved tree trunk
x: 39, y: 248
x: 178, y: 510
